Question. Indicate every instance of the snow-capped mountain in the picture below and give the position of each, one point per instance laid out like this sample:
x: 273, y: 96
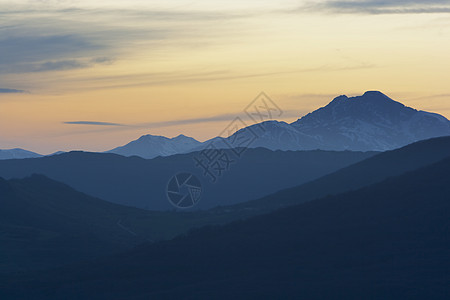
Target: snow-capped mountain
x: 272, y: 135
x: 371, y: 122
x: 17, y: 154
x: 150, y: 146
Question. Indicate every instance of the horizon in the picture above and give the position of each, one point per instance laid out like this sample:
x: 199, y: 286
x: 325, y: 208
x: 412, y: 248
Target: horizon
x: 217, y: 119
x: 74, y: 78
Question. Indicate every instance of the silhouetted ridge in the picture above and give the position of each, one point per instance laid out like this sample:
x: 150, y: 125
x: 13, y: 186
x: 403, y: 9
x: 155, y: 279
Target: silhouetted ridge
x: 385, y: 241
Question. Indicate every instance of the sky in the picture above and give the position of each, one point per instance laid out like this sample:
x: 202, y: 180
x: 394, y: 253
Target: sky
x: 93, y: 75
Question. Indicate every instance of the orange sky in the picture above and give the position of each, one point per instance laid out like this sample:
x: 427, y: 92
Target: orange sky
x: 141, y: 64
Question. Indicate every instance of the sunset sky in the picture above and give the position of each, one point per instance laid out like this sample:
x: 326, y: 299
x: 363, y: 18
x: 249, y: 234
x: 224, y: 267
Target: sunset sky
x: 78, y: 75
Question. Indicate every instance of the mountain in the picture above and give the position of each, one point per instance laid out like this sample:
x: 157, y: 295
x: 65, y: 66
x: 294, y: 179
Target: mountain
x: 142, y: 183
x: 364, y: 173
x: 17, y: 154
x: 45, y: 224
x: 385, y: 241
x: 150, y: 146
x: 371, y: 122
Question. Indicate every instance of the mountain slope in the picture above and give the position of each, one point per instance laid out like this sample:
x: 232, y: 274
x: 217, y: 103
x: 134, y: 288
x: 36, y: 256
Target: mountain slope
x: 44, y: 223
x: 150, y: 146
x: 17, y: 154
x: 361, y: 174
x: 371, y: 122
x: 385, y: 241
x: 134, y: 181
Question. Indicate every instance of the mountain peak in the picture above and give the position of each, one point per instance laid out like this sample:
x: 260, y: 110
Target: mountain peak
x: 150, y: 146
x: 375, y: 93
x: 339, y: 99
x: 181, y: 137
x: 372, y: 121
x: 376, y: 96
x: 149, y: 136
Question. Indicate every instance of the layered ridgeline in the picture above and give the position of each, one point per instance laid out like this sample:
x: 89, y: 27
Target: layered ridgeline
x: 371, y: 122
x: 142, y: 183
x: 45, y: 224
x: 386, y: 241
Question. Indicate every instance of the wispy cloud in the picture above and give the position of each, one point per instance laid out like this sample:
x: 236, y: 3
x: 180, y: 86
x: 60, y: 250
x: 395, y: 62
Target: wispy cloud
x: 179, y: 77
x: 93, y: 123
x: 378, y: 7
x: 43, y: 53
x: 11, y: 91
x: 113, y: 127
x: 50, y: 37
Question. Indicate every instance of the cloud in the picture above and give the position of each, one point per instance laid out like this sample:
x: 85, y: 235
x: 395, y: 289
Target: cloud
x: 41, y: 38
x: 22, y: 54
x: 11, y: 91
x: 93, y: 123
x: 32, y: 53
x: 171, y: 78
x: 114, y: 127
x: 378, y: 7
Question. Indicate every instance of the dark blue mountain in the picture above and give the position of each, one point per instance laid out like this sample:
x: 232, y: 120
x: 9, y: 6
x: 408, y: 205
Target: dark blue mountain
x: 134, y: 181
x: 385, y: 241
x: 372, y: 170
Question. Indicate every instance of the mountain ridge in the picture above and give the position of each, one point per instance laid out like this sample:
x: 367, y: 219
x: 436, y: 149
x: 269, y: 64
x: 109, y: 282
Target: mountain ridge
x: 139, y: 182
x: 150, y: 146
x: 17, y: 153
x: 370, y: 122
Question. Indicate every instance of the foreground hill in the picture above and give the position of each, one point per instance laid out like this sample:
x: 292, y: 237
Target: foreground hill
x: 386, y: 241
x: 137, y: 182
x: 44, y: 224
x: 372, y: 170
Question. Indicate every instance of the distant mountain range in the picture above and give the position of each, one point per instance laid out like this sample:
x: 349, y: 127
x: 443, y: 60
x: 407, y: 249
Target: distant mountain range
x: 371, y: 122
x: 17, y: 154
x: 150, y: 146
x: 142, y: 183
